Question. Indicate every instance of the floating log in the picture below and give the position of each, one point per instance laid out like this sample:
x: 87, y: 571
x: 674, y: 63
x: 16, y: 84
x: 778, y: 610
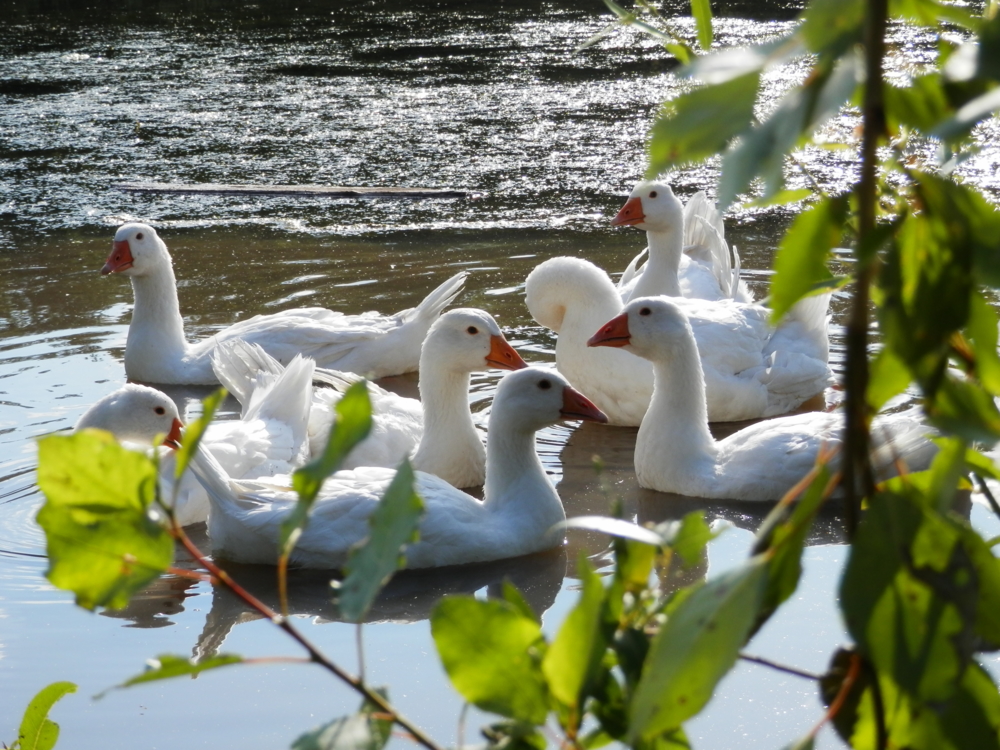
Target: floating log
x: 312, y: 191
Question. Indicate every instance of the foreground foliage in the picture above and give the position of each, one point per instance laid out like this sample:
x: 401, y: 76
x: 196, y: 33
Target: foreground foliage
x: 635, y: 660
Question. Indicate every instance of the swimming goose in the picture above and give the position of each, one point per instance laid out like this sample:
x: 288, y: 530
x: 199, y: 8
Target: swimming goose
x: 134, y: 414
x: 156, y: 350
x: 674, y: 450
x: 516, y: 518
x: 688, y: 253
x: 751, y: 369
x: 270, y: 438
x: 437, y: 430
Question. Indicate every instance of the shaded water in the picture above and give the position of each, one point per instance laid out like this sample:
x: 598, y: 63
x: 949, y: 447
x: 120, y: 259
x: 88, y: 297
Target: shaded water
x: 488, y: 98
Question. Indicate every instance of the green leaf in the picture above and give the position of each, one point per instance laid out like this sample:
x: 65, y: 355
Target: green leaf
x: 761, y: 152
x: 784, y: 541
x: 165, y: 666
x: 702, y: 12
x: 697, y: 646
x: 513, y: 735
x: 616, y: 527
x: 571, y: 663
x: 831, y: 26
x: 351, y: 426
x: 908, y: 595
x: 102, y: 542
x: 516, y: 599
x: 963, y: 408
x: 782, y: 198
x: 688, y: 537
x: 701, y: 123
x: 37, y: 731
x: 393, y: 526
x: 194, y: 432
x: 888, y: 377
x: 968, y: 115
x: 802, y: 257
x: 921, y: 105
x: 361, y: 731
x: 489, y: 650
x: 930, y: 13
x: 982, y: 331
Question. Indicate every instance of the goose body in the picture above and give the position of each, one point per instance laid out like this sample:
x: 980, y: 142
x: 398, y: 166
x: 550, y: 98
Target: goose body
x: 437, y: 431
x: 516, y: 518
x: 675, y: 452
x: 270, y: 438
x: 688, y: 255
x: 751, y: 370
x: 157, y: 351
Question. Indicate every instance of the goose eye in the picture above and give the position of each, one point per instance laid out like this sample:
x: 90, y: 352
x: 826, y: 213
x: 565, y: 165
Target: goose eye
x: 139, y: 236
x: 473, y: 330
x: 651, y: 195
x: 545, y: 384
x: 644, y: 311
x: 160, y: 410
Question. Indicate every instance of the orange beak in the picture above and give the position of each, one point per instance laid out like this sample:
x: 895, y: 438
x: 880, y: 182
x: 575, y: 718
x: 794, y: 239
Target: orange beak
x: 173, y: 439
x: 630, y: 214
x: 613, y: 333
x: 577, y: 406
x: 120, y: 258
x: 503, y: 356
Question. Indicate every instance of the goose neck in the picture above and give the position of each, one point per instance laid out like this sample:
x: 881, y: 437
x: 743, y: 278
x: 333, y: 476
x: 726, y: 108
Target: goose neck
x: 515, y: 478
x: 157, y: 312
x: 660, y: 275
x: 678, y: 413
x: 444, y: 396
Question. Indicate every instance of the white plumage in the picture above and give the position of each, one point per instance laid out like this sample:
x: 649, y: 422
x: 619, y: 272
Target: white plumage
x: 688, y: 255
x: 516, y: 517
x: 157, y: 351
x: 675, y: 452
x: 437, y: 431
x: 751, y: 369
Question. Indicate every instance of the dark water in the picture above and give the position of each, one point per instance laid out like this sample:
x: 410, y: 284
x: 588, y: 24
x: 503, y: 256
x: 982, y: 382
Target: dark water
x: 486, y: 97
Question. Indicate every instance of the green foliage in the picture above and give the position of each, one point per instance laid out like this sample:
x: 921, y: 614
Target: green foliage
x: 165, y: 666
x: 393, y: 526
x: 492, y: 653
x: 365, y: 730
x: 696, y: 647
x: 102, y: 540
x: 37, y: 730
x: 352, y: 424
x: 801, y: 261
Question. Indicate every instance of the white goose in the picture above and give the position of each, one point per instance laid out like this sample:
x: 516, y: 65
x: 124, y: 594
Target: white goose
x: 437, y: 430
x: 157, y: 352
x: 516, y: 518
x: 270, y: 438
x: 134, y: 414
x: 674, y: 450
x: 751, y: 369
x: 688, y: 253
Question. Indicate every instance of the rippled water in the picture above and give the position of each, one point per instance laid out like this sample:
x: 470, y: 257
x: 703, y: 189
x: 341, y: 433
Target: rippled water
x: 490, y: 98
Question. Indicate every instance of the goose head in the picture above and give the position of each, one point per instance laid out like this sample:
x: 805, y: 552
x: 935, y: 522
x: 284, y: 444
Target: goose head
x: 536, y: 397
x: 648, y: 325
x: 135, y: 414
x: 560, y: 283
x: 468, y: 340
x: 136, y: 251
x: 652, y: 206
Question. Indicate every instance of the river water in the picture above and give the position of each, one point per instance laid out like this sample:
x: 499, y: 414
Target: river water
x: 488, y: 98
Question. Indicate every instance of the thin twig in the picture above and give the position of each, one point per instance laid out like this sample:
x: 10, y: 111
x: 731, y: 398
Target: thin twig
x: 460, y: 741
x: 780, y: 667
x: 315, y: 655
x: 984, y: 488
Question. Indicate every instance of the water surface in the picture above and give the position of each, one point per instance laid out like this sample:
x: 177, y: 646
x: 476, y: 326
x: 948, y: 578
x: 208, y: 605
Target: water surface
x: 489, y: 98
